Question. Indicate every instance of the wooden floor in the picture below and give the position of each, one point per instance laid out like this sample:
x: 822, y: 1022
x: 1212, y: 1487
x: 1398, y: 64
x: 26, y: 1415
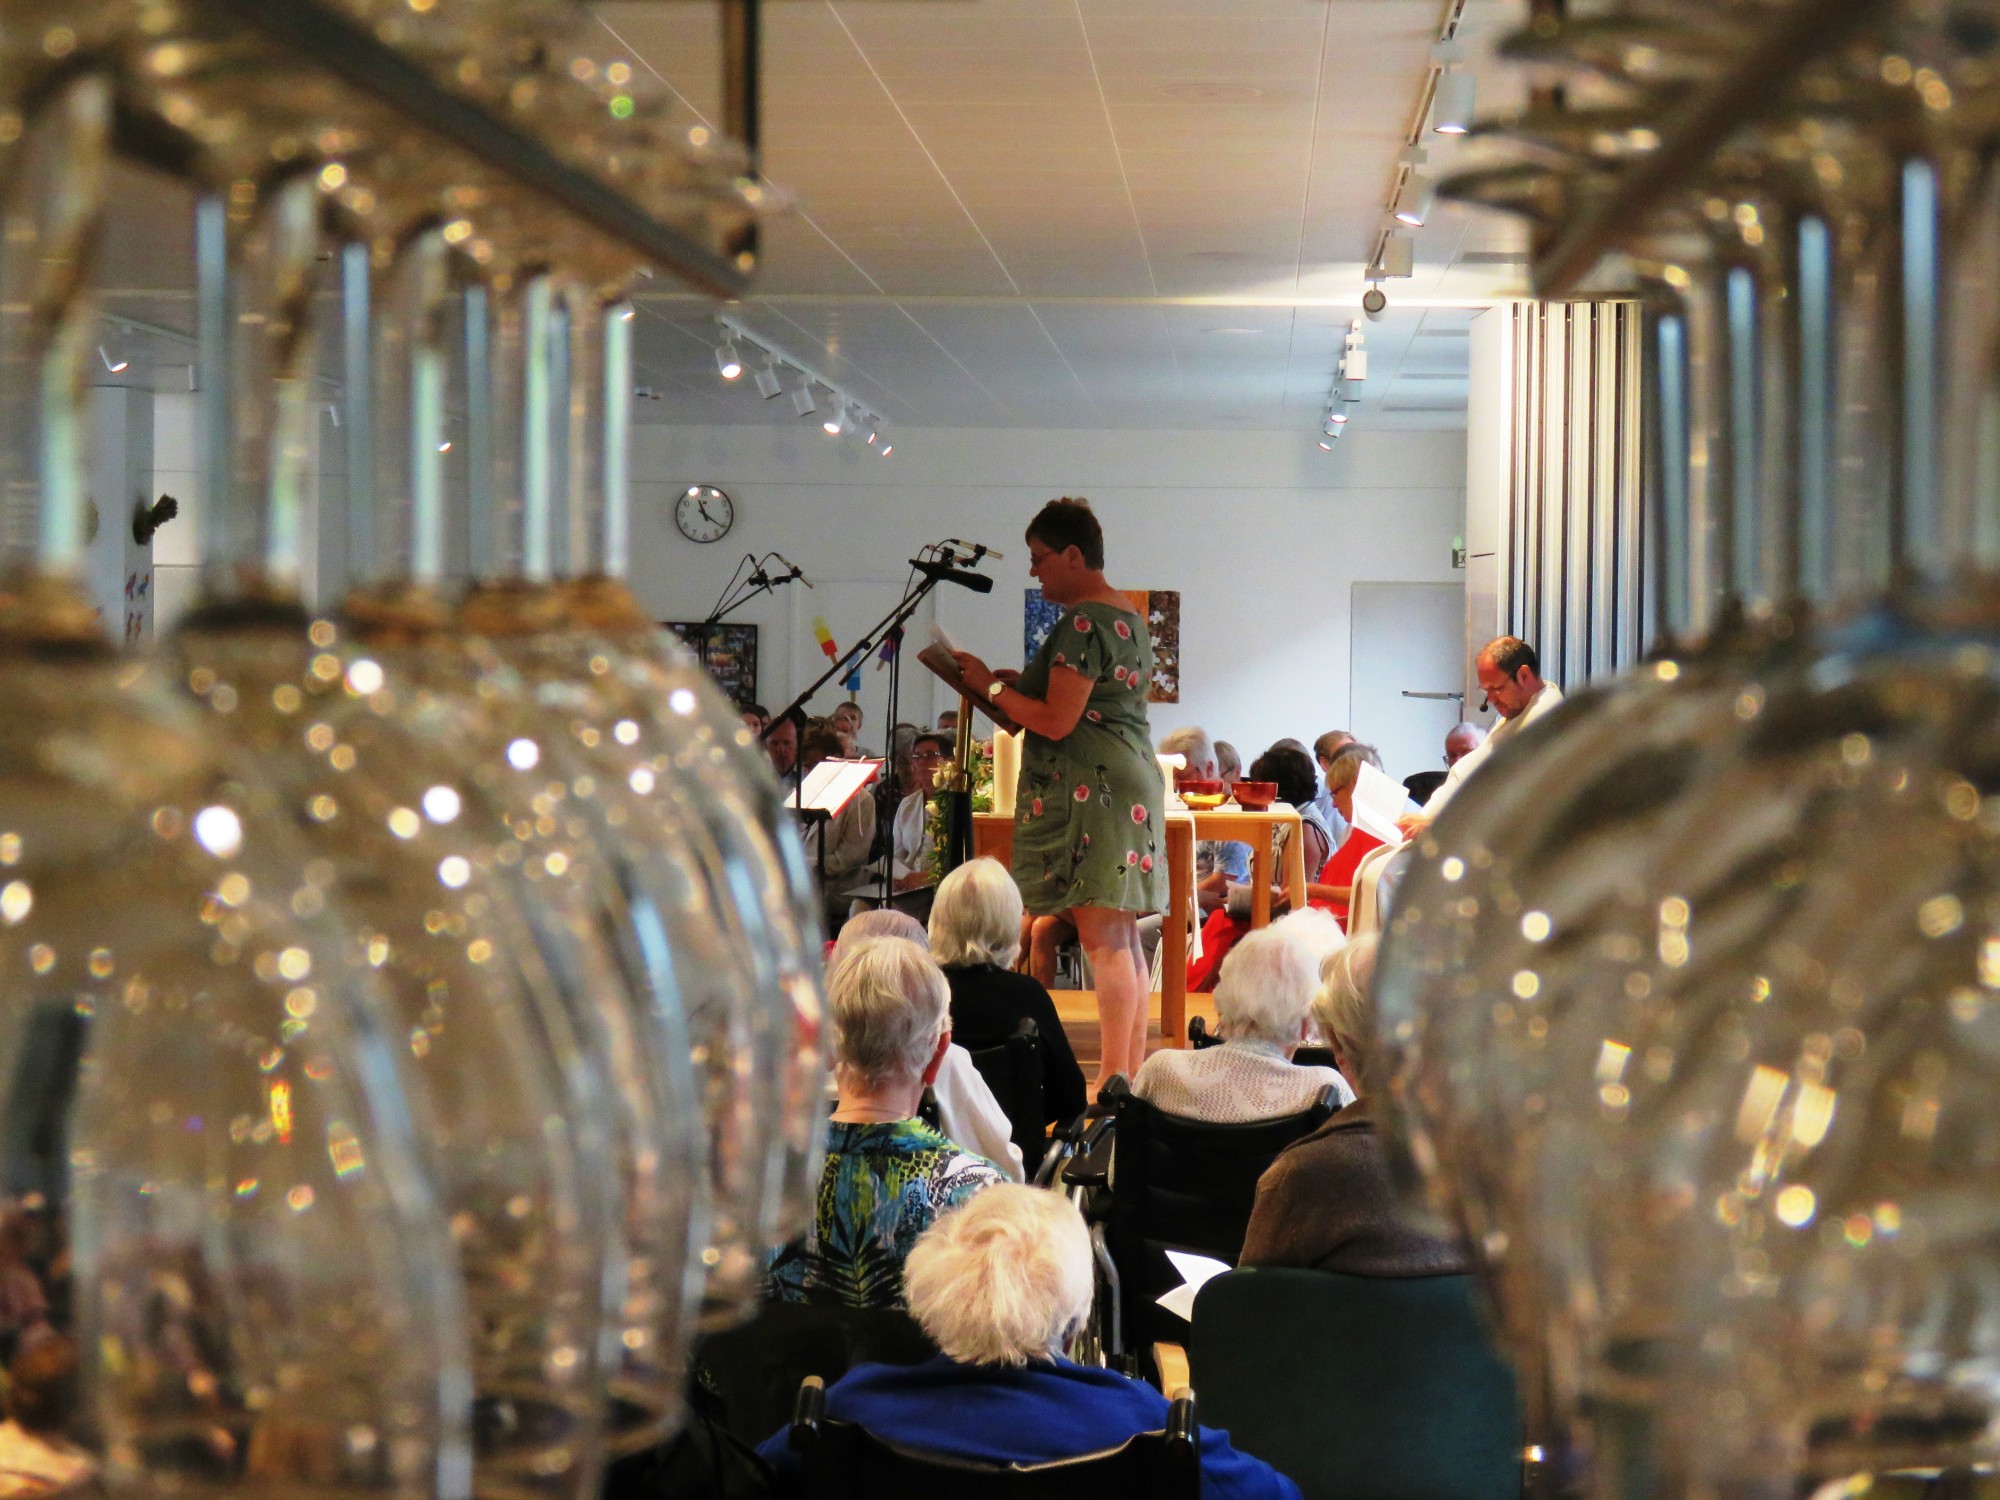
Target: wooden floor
x: 1078, y: 1010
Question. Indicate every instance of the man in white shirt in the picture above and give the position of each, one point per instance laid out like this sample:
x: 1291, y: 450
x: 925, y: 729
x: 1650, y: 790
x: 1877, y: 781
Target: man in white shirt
x: 1510, y: 675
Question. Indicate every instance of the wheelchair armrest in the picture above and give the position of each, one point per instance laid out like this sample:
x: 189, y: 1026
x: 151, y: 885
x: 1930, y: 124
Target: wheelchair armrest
x: 1326, y: 1103
x: 1090, y: 1167
x: 1184, y: 1445
x: 807, y: 1414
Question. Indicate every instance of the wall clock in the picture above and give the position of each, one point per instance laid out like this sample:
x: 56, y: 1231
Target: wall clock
x: 704, y: 513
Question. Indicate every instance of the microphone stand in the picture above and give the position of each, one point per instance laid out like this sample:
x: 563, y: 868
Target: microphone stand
x: 738, y: 592
x: 890, y: 626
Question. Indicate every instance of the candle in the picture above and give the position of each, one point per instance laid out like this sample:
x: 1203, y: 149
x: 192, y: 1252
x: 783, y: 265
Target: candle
x: 1006, y: 771
x: 1168, y: 765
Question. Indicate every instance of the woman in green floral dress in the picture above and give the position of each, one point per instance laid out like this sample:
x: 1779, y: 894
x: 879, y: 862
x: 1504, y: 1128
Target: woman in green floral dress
x: 1089, y: 837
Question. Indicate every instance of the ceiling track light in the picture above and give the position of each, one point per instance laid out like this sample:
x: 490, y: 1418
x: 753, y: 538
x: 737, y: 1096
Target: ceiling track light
x: 727, y: 361
x: 1454, y: 103
x: 768, y: 383
x: 117, y: 368
x: 802, y: 400
x: 837, y: 421
x: 1414, y: 203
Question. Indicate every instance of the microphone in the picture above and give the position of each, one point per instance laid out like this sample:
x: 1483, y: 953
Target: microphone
x: 797, y: 572
x: 978, y: 549
x: 938, y: 572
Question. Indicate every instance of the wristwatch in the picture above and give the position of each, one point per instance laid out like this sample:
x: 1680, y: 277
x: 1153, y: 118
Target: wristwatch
x: 993, y: 693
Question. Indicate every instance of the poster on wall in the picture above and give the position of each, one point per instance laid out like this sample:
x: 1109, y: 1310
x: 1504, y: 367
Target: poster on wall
x: 1161, y: 609
x: 728, y: 651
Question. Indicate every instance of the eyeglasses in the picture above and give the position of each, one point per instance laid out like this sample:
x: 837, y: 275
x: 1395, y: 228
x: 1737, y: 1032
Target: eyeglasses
x: 926, y: 755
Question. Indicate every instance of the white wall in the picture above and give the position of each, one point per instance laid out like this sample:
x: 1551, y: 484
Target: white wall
x: 1262, y: 533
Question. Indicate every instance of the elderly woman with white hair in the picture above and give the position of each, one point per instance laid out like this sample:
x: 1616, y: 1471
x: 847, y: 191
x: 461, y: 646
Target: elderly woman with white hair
x: 967, y: 1111
x: 1328, y: 1203
x: 1000, y: 1286
x: 1262, y: 1003
x: 888, y: 1175
x: 976, y: 936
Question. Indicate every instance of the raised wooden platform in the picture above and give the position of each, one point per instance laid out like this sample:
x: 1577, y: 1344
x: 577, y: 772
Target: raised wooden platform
x: 1078, y: 1011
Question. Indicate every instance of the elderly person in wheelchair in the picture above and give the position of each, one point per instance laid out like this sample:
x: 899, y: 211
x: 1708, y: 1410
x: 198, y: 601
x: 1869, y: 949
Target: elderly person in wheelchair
x: 1328, y: 1202
x: 1000, y: 1286
x: 1263, y: 1001
x: 888, y: 1175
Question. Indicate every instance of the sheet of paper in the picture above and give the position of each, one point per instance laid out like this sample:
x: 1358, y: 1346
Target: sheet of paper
x: 1196, y: 1272
x: 1378, y: 802
x: 945, y: 638
x: 832, y: 784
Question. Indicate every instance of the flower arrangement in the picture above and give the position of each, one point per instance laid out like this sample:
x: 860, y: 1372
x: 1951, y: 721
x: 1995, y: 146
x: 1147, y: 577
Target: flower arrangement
x: 935, y: 809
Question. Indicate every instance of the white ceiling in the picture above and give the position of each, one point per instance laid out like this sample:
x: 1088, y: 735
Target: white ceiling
x: 1083, y: 213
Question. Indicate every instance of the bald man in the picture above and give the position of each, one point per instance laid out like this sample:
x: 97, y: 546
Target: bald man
x: 1510, y: 675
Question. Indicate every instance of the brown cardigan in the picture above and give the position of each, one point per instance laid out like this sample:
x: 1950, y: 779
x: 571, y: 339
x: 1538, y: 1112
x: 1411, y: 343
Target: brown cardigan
x: 1328, y: 1204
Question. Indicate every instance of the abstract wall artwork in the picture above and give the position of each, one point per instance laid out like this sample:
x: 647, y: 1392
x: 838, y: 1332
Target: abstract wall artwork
x: 728, y: 651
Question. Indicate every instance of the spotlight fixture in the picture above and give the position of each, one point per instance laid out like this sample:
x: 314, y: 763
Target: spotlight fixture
x: 1374, y: 302
x: 1398, y: 259
x: 768, y: 384
x: 886, y: 449
x: 1413, y: 205
x: 727, y: 360
x: 836, y: 421
x: 1453, y: 104
x: 445, y: 446
x: 1326, y: 445
x: 1338, y: 419
x: 873, y: 436
x: 118, y: 368
x: 802, y: 399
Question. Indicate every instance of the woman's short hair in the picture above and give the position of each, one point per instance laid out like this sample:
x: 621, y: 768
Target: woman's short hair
x: 1069, y: 523
x: 1345, y: 767
x: 1293, y: 771
x: 976, y: 916
x: 1191, y: 741
x: 821, y: 742
x: 881, y: 922
x: 890, y: 1004
x: 1341, y: 1004
x: 1004, y: 1279
x: 1265, y: 989
x: 1316, y: 931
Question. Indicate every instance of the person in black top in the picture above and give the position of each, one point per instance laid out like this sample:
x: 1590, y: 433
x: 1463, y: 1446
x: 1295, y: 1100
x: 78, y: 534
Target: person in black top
x: 976, y: 937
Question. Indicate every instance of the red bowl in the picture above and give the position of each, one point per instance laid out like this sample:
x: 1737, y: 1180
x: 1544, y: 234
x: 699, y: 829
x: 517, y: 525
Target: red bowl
x: 1255, y: 796
x: 1197, y: 785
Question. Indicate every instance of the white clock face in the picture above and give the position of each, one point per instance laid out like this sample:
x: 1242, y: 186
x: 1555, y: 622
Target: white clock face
x: 704, y: 513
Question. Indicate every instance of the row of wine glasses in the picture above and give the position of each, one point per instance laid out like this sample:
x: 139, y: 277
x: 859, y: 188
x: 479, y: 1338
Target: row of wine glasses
x: 412, y: 1036
x: 1689, y: 997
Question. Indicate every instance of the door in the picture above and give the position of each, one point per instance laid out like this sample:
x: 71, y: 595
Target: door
x: 1406, y: 662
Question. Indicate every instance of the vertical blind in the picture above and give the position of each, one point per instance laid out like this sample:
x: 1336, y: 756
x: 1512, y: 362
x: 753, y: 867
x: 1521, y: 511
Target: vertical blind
x: 1572, y: 567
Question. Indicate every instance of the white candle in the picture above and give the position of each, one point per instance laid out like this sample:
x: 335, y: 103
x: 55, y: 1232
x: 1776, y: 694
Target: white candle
x: 1006, y: 771
x: 1168, y: 765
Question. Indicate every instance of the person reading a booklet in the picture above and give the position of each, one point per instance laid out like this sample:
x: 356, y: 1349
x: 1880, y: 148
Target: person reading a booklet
x: 1089, y: 827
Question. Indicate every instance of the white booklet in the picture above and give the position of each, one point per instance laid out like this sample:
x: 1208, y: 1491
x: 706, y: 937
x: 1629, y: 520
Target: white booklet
x: 832, y: 784
x: 1196, y: 1272
x: 1378, y: 802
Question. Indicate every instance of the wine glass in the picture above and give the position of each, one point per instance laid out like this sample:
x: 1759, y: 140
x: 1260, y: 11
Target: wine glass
x: 264, y: 1281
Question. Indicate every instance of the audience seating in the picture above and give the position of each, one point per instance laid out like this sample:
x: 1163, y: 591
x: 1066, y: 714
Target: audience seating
x: 756, y: 1369
x: 844, y: 1462
x: 1200, y: 1036
x: 1013, y: 1070
x: 1152, y: 1182
x: 1359, y: 1388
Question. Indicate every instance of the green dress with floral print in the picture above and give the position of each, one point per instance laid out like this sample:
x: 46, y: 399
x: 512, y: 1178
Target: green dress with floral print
x: 1087, y: 817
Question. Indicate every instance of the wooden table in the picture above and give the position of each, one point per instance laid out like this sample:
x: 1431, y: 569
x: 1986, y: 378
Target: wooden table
x: 993, y: 837
x: 1232, y: 824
